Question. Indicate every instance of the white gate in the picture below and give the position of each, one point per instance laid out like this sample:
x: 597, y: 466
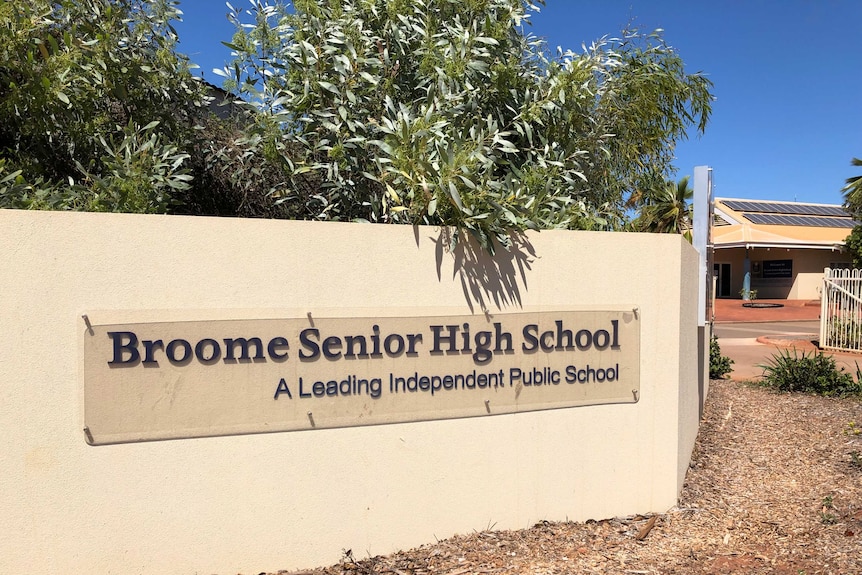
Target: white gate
x: 841, y: 310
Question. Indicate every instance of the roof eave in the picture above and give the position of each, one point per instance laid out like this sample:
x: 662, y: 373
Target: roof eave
x: 803, y: 246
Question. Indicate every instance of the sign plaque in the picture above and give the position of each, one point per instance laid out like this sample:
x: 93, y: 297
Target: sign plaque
x: 169, y: 380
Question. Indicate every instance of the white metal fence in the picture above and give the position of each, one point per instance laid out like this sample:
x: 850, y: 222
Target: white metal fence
x: 841, y: 310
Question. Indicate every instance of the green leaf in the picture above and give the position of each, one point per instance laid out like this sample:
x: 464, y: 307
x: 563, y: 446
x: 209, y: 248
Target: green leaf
x: 383, y: 146
x: 328, y: 86
x: 453, y: 192
x: 11, y: 177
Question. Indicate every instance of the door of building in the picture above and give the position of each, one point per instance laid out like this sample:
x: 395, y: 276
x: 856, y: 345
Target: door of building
x: 722, y: 279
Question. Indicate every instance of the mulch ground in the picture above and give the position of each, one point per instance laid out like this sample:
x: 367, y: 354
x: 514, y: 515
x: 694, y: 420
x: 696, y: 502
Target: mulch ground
x: 775, y: 486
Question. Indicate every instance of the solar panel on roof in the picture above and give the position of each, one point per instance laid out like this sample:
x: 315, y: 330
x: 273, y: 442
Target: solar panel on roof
x: 792, y: 209
x: 735, y: 205
x: 747, y: 206
x: 785, y: 208
x: 798, y: 220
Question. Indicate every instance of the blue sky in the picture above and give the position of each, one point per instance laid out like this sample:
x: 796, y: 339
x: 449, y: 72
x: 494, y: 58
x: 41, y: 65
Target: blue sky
x: 788, y: 81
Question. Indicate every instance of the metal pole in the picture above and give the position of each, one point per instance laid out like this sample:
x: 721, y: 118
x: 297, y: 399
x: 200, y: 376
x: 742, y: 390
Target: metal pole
x: 702, y: 240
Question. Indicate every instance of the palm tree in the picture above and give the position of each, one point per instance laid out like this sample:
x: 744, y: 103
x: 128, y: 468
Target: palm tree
x: 853, y: 191
x: 667, y: 209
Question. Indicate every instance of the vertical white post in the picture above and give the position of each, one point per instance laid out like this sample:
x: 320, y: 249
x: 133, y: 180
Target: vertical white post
x: 702, y: 240
x: 825, y: 337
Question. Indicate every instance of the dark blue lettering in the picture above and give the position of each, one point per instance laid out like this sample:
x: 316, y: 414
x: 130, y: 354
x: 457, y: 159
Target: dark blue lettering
x: 483, y: 354
x: 171, y: 351
x: 302, y: 393
x: 439, y: 338
x: 601, y: 339
x: 244, y: 344
x: 282, y: 388
x: 200, y: 349
x: 350, y: 342
x: 531, y: 341
x: 544, y: 342
x: 501, y: 336
x: 563, y: 335
x: 332, y: 347
x: 375, y: 341
x: 579, y: 339
x: 412, y: 340
x: 276, y: 345
x: 149, y: 351
x: 308, y: 343
x: 398, y: 346
x: 120, y: 348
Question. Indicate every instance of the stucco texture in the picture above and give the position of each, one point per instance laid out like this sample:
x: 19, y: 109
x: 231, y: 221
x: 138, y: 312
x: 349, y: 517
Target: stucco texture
x: 252, y: 503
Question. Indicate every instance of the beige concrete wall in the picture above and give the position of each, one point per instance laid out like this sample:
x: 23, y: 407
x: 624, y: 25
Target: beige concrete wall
x: 252, y: 503
x: 808, y: 283
x: 691, y: 395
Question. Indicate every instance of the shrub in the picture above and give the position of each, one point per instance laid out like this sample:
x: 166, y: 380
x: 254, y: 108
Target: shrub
x: 808, y: 373
x: 445, y: 112
x: 719, y: 365
x: 98, y: 108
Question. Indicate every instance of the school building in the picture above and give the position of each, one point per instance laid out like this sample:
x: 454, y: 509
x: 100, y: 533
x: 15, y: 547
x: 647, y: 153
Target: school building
x: 777, y: 250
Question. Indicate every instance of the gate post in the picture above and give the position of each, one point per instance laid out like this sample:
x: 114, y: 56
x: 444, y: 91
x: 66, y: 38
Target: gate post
x: 702, y: 241
x: 824, y: 306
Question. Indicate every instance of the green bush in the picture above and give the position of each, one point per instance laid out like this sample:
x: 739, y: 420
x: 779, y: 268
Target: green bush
x: 445, y: 112
x: 809, y: 373
x: 719, y: 365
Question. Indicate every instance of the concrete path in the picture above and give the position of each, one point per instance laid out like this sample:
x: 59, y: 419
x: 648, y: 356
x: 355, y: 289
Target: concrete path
x: 749, y: 354
x: 752, y: 336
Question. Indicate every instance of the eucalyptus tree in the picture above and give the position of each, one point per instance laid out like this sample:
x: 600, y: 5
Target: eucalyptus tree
x: 96, y: 103
x: 450, y: 112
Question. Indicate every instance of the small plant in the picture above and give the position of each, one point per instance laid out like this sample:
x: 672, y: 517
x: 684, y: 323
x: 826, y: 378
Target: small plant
x: 827, y: 518
x: 826, y: 515
x: 752, y: 294
x: 854, y: 431
x: 808, y: 373
x: 719, y: 365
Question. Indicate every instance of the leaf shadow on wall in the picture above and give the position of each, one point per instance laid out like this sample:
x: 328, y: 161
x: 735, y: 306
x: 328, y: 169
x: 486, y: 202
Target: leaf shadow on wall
x: 487, y: 279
